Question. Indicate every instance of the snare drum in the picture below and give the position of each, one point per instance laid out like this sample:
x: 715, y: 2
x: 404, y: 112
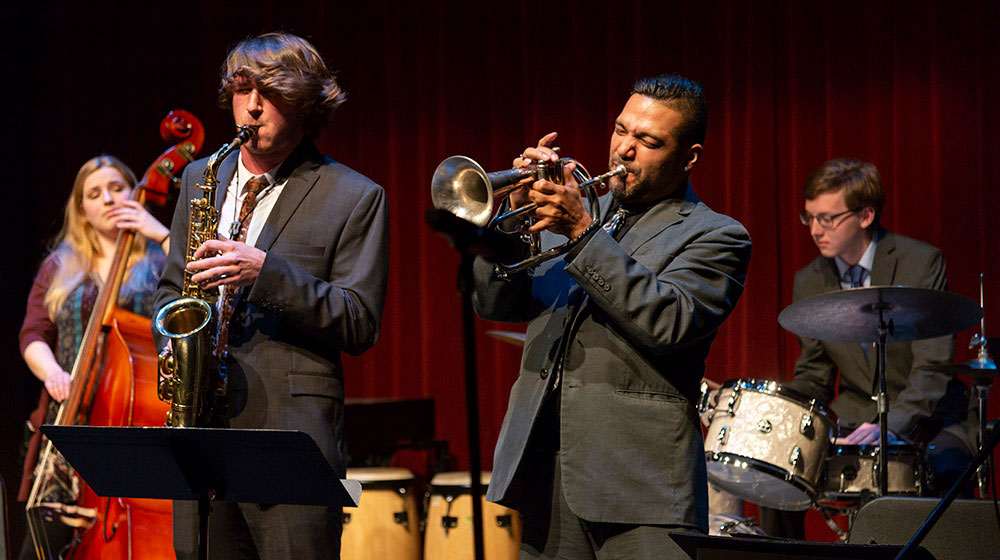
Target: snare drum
x: 449, y: 522
x: 851, y: 469
x: 767, y: 443
x: 385, y: 523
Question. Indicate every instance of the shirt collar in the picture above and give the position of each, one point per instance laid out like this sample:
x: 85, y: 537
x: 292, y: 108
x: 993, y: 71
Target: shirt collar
x: 866, y: 262
x: 245, y: 174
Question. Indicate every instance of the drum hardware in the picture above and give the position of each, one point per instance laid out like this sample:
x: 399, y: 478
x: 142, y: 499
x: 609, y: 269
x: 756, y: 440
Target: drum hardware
x: 723, y: 435
x: 704, y: 400
x: 982, y: 370
x: 734, y: 398
x: 506, y: 522
x: 880, y: 314
x: 723, y: 524
x: 806, y: 424
x: 793, y: 459
x: 764, y: 426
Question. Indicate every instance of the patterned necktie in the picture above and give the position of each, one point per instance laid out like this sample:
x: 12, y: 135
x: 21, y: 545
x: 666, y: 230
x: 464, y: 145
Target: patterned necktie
x: 231, y: 294
x: 615, y: 224
x: 855, y: 275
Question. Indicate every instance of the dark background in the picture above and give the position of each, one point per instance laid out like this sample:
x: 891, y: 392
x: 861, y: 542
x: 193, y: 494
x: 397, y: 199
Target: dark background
x: 909, y: 86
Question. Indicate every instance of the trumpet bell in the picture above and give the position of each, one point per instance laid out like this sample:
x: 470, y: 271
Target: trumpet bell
x: 462, y: 187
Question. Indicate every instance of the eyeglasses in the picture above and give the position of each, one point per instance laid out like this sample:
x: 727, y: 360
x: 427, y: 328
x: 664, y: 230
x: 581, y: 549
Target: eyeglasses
x: 825, y: 221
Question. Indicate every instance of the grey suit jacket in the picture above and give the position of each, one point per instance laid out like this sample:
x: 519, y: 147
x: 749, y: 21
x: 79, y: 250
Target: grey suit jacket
x: 921, y: 403
x: 633, y: 322
x: 320, y: 292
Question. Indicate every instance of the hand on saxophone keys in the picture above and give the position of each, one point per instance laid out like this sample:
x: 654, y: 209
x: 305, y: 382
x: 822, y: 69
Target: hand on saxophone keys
x: 223, y: 261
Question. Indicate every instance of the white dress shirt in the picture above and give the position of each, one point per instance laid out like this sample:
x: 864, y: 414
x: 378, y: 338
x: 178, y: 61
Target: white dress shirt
x: 234, y: 198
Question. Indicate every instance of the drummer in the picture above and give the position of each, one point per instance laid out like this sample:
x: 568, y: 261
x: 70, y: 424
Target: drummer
x: 843, y: 203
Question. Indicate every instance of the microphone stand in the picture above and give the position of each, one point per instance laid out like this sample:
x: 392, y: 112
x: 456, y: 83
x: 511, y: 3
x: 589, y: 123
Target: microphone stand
x: 471, y: 240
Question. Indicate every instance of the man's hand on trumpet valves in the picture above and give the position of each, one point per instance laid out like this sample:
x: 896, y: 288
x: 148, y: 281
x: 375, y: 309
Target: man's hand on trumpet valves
x: 560, y: 207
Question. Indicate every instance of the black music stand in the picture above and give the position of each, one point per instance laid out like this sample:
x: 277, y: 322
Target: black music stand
x: 203, y: 464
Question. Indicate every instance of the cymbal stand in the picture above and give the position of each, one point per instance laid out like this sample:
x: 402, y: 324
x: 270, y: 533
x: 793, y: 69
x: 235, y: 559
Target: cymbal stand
x: 882, y: 396
x: 981, y: 385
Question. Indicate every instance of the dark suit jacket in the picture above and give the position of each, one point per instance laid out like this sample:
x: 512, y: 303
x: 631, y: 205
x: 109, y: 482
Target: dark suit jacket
x: 920, y: 402
x: 320, y: 292
x: 634, y: 321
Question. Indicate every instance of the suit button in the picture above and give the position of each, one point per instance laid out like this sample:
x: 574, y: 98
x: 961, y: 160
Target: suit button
x: 544, y: 373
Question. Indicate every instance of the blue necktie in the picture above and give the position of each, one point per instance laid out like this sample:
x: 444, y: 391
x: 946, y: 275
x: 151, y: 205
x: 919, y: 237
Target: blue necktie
x: 855, y: 275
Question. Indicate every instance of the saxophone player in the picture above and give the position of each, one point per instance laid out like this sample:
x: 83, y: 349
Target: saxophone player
x: 301, y: 259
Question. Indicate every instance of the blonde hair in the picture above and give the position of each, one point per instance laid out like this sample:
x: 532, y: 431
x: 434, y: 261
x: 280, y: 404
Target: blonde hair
x: 77, y: 247
x: 287, y: 66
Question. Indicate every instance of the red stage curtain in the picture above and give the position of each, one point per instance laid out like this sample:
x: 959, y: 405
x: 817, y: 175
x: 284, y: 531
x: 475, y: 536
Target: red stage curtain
x: 908, y: 85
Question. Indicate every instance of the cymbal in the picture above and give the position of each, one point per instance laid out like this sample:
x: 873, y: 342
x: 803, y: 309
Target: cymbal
x: 515, y: 338
x: 852, y: 315
x: 976, y: 368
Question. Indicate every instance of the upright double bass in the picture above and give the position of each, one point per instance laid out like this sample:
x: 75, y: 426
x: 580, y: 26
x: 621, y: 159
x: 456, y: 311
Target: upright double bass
x: 113, y: 383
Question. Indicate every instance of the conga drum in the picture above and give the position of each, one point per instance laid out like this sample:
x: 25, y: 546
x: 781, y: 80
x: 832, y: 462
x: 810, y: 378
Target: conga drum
x: 385, y: 523
x: 449, y: 522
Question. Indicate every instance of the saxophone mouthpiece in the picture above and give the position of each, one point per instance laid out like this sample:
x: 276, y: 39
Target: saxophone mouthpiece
x: 248, y: 130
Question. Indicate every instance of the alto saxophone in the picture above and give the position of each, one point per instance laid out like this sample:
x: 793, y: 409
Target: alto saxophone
x: 191, y: 369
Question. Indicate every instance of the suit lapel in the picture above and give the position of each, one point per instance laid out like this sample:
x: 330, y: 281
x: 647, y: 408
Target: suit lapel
x: 884, y: 265
x: 302, y: 174
x: 658, y: 218
x: 224, y: 177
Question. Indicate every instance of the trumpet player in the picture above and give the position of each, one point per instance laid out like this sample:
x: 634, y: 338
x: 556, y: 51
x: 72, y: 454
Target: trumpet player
x: 601, y: 449
x: 302, y: 255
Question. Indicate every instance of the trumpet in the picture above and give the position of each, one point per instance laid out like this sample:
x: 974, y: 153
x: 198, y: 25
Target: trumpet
x: 462, y: 187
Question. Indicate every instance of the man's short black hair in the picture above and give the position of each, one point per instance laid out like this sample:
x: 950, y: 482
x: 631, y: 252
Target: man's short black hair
x: 684, y: 96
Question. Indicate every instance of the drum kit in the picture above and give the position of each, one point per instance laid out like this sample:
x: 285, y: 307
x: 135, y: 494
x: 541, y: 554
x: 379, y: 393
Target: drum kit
x: 772, y: 446
x: 386, y: 525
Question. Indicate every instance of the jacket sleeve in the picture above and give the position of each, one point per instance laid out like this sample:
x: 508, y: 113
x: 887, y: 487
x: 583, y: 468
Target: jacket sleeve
x: 665, y: 310
x: 919, y: 398
x: 345, y: 308
x: 815, y: 372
